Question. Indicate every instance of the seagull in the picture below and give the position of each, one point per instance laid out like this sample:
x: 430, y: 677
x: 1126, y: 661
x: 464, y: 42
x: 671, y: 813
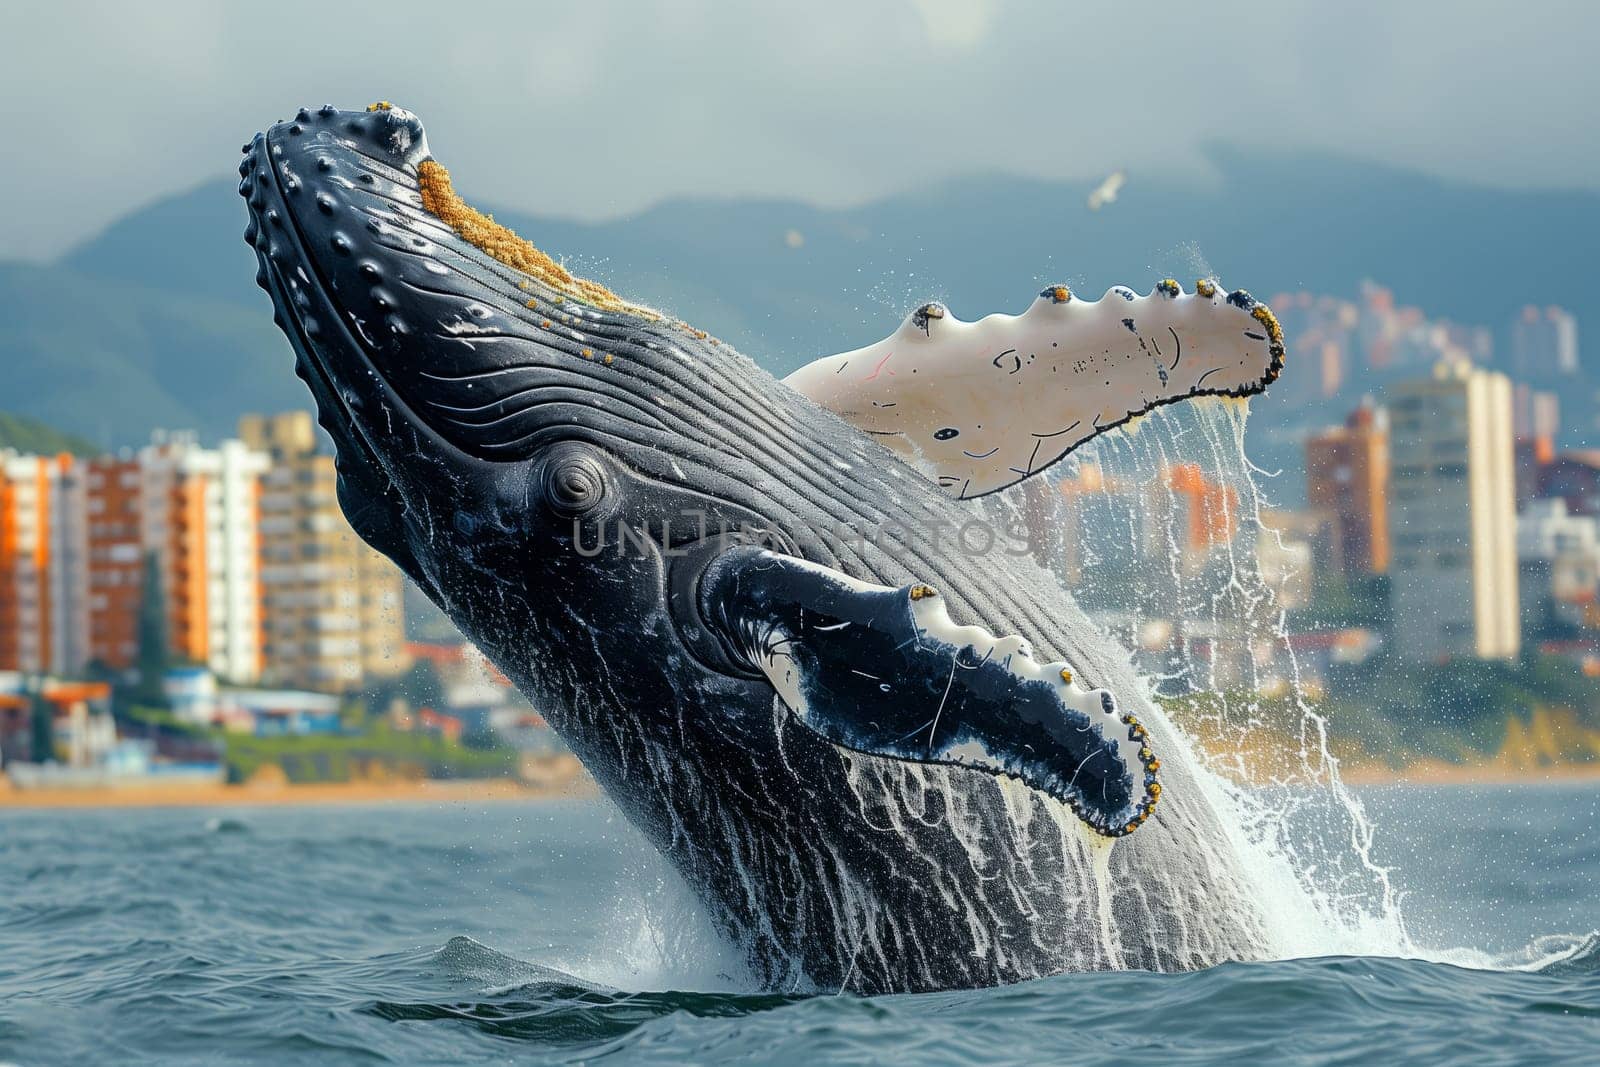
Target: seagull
x: 1106, y: 192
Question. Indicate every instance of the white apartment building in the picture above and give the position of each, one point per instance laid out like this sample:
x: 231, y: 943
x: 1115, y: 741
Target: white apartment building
x: 1453, y: 516
x: 1559, y: 563
x: 199, y: 513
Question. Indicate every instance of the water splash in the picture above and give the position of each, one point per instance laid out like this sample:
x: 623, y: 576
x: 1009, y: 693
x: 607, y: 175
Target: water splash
x: 1160, y: 534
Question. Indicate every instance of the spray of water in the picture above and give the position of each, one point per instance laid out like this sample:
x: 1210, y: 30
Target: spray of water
x: 1159, y: 532
x: 1261, y: 741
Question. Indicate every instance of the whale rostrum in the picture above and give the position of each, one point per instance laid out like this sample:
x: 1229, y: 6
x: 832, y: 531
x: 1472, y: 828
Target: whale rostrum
x: 866, y: 787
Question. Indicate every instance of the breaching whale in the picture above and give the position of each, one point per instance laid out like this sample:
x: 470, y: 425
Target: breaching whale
x: 884, y: 763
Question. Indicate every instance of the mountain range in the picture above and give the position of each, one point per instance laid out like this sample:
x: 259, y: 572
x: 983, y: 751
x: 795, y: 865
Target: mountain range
x: 31, y: 435
x: 156, y: 322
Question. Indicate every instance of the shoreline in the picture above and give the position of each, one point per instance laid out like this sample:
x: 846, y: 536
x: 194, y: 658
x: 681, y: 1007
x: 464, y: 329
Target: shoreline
x: 563, y: 779
x: 1439, y: 773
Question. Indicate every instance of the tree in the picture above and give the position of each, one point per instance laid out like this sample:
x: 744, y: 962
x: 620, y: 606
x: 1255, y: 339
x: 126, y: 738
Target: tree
x: 423, y: 687
x: 43, y: 741
x: 155, y: 654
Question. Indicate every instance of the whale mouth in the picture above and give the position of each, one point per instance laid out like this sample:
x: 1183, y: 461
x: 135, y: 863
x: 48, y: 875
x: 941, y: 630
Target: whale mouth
x: 295, y: 178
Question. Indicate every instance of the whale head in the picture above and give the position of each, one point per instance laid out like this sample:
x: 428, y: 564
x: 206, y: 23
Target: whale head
x: 488, y: 409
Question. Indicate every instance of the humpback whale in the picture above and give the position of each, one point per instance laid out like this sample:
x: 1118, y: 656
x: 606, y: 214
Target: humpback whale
x: 892, y: 761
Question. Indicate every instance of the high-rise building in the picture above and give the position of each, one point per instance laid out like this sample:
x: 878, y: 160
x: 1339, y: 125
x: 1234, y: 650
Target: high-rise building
x: 196, y: 510
x: 200, y: 510
x: 1207, y: 511
x: 332, y: 604
x: 114, y: 550
x: 1347, y: 475
x: 1535, y: 413
x: 41, y: 589
x: 1544, y: 344
x: 1453, y: 517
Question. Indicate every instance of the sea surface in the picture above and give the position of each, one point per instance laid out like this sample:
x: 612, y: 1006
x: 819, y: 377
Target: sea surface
x: 548, y: 932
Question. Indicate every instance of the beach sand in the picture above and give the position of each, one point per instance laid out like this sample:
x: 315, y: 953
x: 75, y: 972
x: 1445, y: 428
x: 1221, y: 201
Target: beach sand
x: 563, y: 777
x: 557, y: 778
x: 1439, y: 772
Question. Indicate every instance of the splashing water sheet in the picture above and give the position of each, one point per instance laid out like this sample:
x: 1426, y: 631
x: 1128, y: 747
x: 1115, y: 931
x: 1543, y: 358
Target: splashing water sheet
x: 1178, y: 495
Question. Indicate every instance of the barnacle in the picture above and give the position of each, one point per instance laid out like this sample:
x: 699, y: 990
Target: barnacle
x: 440, y: 199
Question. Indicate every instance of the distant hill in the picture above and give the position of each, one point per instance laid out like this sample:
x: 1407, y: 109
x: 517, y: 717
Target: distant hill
x: 109, y: 360
x: 30, y: 435
x: 161, y: 315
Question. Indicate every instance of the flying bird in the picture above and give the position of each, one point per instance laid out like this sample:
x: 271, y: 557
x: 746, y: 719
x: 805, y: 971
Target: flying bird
x: 1106, y: 192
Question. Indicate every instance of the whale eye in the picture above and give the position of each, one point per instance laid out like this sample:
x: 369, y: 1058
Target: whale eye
x: 574, y: 483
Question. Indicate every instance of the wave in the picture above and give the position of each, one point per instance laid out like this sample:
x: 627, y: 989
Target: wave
x: 1294, y: 1011
x: 530, y: 1001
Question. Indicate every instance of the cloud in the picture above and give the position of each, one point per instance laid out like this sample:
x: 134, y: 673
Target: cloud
x: 956, y: 23
x: 601, y: 108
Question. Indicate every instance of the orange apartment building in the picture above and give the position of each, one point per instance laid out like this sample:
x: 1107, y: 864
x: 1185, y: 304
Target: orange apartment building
x: 1347, y: 475
x: 114, y: 551
x: 198, y: 512
x: 37, y: 594
x: 74, y: 538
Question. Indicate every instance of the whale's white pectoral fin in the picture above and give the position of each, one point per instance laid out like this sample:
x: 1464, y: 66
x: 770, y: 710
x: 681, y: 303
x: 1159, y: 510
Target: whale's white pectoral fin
x: 982, y: 405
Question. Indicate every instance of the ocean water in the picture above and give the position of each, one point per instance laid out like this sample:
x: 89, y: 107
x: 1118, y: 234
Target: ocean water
x: 549, y: 932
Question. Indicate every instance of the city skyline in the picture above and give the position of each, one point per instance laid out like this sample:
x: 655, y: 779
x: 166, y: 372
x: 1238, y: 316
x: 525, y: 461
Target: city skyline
x: 260, y: 576
x: 1342, y: 344
x: 1441, y: 525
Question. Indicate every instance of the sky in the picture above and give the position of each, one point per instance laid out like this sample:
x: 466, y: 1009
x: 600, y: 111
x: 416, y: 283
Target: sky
x: 599, y: 109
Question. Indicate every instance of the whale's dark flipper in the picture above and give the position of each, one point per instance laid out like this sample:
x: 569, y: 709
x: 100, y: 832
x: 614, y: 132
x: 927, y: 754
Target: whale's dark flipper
x: 887, y: 672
